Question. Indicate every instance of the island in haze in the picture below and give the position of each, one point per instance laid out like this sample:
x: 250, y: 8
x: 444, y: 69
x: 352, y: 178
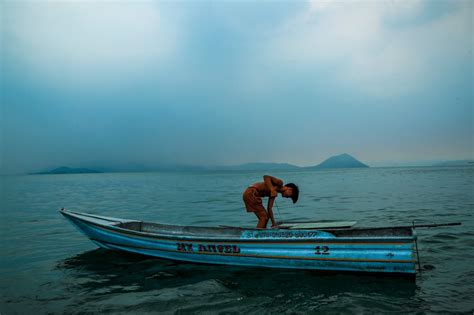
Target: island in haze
x: 340, y: 161
x: 456, y: 163
x: 335, y: 162
x: 68, y: 170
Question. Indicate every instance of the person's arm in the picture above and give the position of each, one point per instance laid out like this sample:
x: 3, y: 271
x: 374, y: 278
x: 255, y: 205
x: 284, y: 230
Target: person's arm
x: 270, y: 211
x: 272, y: 183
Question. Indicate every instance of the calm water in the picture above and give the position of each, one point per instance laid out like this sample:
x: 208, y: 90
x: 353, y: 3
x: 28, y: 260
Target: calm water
x: 49, y: 267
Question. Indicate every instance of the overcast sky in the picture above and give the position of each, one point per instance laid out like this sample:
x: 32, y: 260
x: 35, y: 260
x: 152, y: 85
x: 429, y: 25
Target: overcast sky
x: 229, y: 82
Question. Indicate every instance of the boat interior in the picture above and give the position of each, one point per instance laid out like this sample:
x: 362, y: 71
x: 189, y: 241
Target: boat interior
x: 157, y: 228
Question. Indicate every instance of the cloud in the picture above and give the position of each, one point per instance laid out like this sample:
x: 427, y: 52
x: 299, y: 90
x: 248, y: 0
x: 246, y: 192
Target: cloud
x: 208, y: 82
x: 386, y: 49
x: 78, y: 37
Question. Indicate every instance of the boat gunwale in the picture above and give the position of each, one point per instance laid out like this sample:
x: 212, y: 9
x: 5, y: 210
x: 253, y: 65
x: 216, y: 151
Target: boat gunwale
x: 104, y: 218
x: 361, y: 240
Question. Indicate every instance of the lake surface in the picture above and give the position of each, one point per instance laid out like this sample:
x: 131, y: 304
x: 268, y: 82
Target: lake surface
x: 49, y: 267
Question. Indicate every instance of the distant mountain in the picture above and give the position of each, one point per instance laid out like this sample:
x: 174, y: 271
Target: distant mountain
x: 456, y: 163
x: 68, y: 170
x: 261, y: 167
x: 340, y: 161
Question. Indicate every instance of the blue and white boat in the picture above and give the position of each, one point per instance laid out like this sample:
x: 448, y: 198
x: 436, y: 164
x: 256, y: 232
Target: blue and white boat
x: 382, y: 250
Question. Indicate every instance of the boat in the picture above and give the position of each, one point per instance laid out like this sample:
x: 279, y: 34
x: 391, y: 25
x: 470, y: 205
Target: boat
x: 389, y: 250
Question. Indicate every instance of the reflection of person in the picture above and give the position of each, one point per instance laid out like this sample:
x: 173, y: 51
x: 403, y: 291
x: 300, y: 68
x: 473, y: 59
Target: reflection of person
x: 270, y: 187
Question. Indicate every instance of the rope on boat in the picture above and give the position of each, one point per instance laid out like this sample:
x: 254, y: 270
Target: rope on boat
x: 278, y: 209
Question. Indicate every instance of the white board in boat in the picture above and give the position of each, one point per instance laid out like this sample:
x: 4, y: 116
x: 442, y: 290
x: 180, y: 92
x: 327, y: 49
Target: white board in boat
x: 318, y: 225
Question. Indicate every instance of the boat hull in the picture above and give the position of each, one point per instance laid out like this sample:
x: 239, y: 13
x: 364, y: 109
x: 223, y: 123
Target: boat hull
x: 301, y: 249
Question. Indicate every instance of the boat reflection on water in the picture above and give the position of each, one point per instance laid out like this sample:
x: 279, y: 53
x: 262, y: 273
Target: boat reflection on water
x: 100, y: 273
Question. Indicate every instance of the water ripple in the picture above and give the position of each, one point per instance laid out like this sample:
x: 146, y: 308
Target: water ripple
x: 48, y: 267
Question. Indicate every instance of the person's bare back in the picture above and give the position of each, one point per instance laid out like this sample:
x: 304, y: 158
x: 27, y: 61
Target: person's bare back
x: 270, y: 187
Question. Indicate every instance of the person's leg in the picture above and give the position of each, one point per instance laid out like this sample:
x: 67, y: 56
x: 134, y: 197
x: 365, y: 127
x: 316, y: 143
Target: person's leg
x: 262, y: 219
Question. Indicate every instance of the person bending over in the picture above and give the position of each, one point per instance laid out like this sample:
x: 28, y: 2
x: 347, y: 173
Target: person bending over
x: 270, y: 187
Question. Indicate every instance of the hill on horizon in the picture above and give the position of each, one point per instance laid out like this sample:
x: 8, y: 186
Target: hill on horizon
x: 68, y: 170
x: 456, y: 163
x: 340, y: 161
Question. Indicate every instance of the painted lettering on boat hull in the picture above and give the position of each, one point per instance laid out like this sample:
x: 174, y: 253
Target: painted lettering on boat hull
x: 208, y: 248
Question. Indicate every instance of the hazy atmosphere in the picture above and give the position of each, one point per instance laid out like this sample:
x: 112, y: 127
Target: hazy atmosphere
x: 236, y: 156
x: 217, y: 83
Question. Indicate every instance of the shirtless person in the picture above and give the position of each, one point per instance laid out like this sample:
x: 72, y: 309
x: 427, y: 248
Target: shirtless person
x: 270, y: 187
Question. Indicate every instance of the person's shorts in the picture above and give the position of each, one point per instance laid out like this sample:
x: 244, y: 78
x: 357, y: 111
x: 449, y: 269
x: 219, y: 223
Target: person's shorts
x: 253, y: 202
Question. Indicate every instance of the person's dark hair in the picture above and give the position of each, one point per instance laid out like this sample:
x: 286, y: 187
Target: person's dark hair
x: 296, y: 191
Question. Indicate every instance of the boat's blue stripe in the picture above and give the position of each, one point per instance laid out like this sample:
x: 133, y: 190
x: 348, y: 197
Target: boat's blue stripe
x: 256, y: 255
x: 275, y: 262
